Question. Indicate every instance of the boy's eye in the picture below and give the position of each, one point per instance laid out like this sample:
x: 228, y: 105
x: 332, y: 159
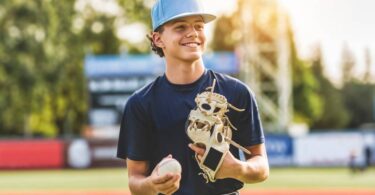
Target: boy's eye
x: 199, y: 27
x: 180, y: 27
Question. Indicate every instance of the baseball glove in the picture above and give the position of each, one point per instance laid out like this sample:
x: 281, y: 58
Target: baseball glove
x: 208, y: 127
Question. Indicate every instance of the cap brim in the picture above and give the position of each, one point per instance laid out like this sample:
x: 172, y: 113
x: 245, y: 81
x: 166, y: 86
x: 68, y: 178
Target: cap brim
x: 205, y: 16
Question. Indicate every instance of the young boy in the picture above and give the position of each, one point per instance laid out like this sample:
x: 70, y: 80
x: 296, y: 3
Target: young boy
x: 153, y: 124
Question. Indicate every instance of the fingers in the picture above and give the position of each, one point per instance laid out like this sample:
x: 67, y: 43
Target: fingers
x: 171, y: 185
x: 196, y: 149
x: 167, y: 184
x: 162, y: 179
x: 171, y: 191
x: 199, y: 152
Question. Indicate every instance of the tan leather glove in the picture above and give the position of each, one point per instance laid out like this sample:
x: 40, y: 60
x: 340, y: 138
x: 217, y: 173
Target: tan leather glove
x: 210, y: 128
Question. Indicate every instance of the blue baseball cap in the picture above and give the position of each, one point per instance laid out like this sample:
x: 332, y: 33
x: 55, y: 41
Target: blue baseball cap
x: 164, y: 11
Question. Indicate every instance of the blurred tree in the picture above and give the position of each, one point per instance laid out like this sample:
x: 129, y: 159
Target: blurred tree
x: 42, y: 47
x: 367, y: 76
x: 335, y: 114
x: 42, y: 62
x: 95, y: 25
x: 358, y: 99
x: 307, y: 102
x: 347, y: 64
x: 358, y: 92
x: 136, y: 12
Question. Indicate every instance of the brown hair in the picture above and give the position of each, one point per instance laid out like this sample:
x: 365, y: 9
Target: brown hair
x: 155, y: 48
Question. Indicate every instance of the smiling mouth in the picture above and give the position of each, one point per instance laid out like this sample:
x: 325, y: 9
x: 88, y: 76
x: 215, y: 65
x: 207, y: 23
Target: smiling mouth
x: 191, y: 44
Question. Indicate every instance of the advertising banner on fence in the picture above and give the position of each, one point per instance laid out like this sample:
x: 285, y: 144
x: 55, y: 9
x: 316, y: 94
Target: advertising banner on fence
x: 83, y: 153
x: 27, y: 154
x: 329, y: 149
x: 279, y: 150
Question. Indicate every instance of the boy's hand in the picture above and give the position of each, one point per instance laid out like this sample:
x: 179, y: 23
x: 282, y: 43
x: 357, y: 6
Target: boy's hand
x: 227, y: 168
x: 167, y: 184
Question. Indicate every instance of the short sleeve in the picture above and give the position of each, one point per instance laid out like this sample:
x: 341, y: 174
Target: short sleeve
x: 135, y: 132
x: 248, y: 123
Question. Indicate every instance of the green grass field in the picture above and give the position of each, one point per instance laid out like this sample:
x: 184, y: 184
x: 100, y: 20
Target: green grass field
x: 115, y: 179
x: 317, y: 178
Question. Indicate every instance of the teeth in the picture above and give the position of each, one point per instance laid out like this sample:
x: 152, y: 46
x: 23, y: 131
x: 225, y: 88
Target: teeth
x: 191, y: 44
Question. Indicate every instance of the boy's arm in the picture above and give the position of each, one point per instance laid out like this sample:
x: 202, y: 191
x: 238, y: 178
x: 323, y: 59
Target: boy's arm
x: 255, y: 168
x: 138, y: 181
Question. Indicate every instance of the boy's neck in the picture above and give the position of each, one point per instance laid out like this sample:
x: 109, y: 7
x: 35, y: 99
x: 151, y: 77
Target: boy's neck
x: 184, y: 72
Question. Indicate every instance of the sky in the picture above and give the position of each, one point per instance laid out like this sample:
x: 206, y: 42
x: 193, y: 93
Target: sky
x: 331, y: 23
x: 334, y: 23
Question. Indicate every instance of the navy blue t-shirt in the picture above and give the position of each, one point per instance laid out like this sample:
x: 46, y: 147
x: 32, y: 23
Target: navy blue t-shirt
x: 153, y: 126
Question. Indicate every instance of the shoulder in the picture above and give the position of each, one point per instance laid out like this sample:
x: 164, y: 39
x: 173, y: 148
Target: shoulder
x: 144, y: 94
x: 148, y: 88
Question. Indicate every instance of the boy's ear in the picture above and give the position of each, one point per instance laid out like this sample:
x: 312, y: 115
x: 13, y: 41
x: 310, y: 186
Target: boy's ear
x: 157, y: 39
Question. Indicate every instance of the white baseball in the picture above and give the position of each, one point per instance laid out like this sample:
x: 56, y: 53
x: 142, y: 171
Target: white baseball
x: 168, y: 165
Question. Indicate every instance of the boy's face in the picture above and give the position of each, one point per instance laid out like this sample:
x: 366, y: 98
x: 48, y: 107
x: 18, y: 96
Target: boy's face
x: 182, y: 39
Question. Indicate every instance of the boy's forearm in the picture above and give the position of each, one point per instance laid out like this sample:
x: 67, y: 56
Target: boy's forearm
x: 253, y: 170
x: 140, y: 185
